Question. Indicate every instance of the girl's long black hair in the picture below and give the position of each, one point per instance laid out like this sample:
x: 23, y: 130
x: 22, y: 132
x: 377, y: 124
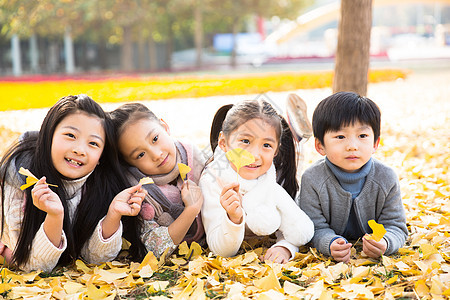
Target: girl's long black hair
x: 121, y: 117
x: 229, y: 117
x: 34, y: 152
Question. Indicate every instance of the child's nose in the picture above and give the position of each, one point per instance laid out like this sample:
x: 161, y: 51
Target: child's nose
x: 79, y: 150
x: 352, y: 145
x: 155, y: 153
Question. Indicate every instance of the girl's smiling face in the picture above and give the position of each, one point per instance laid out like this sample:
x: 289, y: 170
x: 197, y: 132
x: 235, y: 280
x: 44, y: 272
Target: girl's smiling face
x: 260, y: 139
x: 77, y: 144
x: 147, y: 145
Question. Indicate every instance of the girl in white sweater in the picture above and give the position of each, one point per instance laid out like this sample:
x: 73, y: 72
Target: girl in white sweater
x: 261, y: 202
x: 81, y: 216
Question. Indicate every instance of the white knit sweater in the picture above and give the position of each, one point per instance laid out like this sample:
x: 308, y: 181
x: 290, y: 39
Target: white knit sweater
x: 44, y: 255
x: 268, y: 209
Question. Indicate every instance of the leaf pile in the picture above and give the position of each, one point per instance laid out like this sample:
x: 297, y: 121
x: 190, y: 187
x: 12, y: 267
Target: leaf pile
x: 415, y: 142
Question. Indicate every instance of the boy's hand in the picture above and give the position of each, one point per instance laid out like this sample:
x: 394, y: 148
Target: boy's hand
x: 277, y: 254
x: 373, y: 248
x: 45, y: 199
x: 341, y: 250
x: 231, y: 201
x: 128, y: 202
x: 192, y: 196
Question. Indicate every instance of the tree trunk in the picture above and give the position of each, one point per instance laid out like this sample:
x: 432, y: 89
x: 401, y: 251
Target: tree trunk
x: 198, y: 32
x: 126, y: 59
x: 15, y: 55
x: 141, y: 52
x: 68, y: 52
x: 170, y: 46
x: 53, y: 57
x: 353, y: 48
x: 152, y: 54
x: 84, y: 63
x: 34, y: 54
x: 233, y: 57
x: 102, y: 54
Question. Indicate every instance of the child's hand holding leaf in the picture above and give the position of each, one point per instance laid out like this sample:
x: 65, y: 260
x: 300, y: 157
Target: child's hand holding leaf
x: 239, y: 157
x: 373, y: 244
x: 45, y: 199
x: 231, y: 201
x: 191, y: 195
x: 128, y: 202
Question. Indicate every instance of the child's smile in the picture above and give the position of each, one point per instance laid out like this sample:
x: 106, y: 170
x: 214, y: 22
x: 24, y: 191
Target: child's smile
x: 77, y: 145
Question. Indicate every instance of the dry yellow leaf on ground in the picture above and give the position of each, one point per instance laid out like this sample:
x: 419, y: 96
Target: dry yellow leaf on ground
x: 189, y: 252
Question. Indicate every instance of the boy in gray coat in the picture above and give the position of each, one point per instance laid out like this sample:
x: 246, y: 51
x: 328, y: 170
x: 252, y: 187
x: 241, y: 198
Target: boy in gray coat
x: 347, y: 188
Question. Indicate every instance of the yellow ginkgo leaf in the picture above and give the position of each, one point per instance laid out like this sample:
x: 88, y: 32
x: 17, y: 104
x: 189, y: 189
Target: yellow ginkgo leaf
x: 4, y: 287
x: 189, y: 252
x: 95, y: 293
x: 392, y: 280
x: 378, y: 231
x: 151, y: 260
x: 146, y: 180
x: 239, y: 157
x: 81, y: 266
x: 428, y: 250
x: 268, y: 282
x: 30, y: 180
x: 184, y: 169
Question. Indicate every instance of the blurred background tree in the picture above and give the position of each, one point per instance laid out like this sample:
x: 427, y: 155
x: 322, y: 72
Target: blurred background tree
x: 126, y: 35
x: 77, y: 36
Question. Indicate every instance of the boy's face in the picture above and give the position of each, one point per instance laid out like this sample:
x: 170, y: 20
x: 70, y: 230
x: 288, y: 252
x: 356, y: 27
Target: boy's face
x: 350, y: 147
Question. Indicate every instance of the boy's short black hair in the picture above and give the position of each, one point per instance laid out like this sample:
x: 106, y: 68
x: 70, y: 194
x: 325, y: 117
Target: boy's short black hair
x: 342, y: 109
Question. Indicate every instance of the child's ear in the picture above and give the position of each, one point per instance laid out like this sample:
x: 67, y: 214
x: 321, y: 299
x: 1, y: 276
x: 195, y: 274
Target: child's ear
x: 165, y: 126
x: 376, y: 144
x: 319, y: 147
x: 221, y: 142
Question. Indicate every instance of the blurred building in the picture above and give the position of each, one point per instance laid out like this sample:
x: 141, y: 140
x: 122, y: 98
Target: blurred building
x: 402, y: 29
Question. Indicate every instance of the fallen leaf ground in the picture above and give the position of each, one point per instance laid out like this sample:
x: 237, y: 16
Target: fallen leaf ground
x: 415, y: 142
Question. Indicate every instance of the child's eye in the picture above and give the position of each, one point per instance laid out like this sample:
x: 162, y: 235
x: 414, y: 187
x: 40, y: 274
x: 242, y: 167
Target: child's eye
x: 340, y: 137
x: 95, y: 144
x: 70, y: 135
x: 266, y: 145
x: 155, y: 139
x: 245, y: 141
x: 140, y: 155
x: 363, y: 135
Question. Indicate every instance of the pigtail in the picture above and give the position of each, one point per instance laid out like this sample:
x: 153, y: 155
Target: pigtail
x: 216, y: 126
x: 285, y: 161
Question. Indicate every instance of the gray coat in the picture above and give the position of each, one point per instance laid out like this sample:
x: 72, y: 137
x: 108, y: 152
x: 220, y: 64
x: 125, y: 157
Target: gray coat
x: 328, y: 205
